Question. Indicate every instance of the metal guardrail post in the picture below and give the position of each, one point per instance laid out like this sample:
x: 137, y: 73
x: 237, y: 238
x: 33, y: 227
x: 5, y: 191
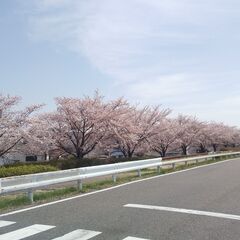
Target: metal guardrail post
x: 79, y: 182
x: 186, y: 163
x: 139, y: 173
x: 30, y: 195
x: 173, y: 165
x: 79, y: 185
x: 158, y: 169
x: 114, y: 177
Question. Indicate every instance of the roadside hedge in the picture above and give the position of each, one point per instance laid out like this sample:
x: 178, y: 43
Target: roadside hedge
x: 54, y: 165
x: 71, y: 163
x: 25, y: 169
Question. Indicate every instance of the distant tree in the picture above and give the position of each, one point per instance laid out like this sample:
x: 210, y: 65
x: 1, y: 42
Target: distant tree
x: 202, y: 140
x: 188, y: 131
x: 13, y: 123
x: 235, y: 137
x: 135, y: 128
x: 165, y: 137
x: 220, y: 134
x: 231, y: 136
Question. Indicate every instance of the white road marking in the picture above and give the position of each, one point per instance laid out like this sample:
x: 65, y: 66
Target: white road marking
x: 25, y: 232
x: 111, y: 188
x: 134, y: 238
x: 79, y: 234
x: 5, y: 223
x: 187, y: 211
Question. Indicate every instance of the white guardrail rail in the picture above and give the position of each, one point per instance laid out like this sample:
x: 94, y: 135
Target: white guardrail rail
x: 28, y: 183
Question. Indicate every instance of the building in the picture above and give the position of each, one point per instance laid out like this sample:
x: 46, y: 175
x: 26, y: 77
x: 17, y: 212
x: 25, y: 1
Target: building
x: 12, y: 158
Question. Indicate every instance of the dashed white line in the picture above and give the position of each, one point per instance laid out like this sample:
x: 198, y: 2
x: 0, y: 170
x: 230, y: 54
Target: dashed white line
x: 186, y: 211
x: 5, y: 223
x: 25, y: 232
x: 80, y: 234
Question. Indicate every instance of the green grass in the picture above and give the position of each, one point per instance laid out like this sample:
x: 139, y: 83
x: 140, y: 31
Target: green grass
x: 11, y: 202
x: 15, y: 201
x: 40, y: 196
x: 53, y: 194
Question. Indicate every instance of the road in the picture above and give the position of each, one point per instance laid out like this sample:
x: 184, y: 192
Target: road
x: 197, y: 204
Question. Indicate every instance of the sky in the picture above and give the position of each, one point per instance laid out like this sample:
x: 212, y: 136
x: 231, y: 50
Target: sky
x: 183, y: 55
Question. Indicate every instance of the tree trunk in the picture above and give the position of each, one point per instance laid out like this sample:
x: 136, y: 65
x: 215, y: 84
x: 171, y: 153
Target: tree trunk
x: 161, y: 150
x: 130, y: 154
x: 214, y: 147
x: 202, y: 148
x: 163, y: 153
x: 79, y: 154
x: 184, y: 150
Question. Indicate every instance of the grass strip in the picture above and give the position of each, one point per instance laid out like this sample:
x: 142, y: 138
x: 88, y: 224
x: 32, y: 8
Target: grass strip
x: 11, y: 202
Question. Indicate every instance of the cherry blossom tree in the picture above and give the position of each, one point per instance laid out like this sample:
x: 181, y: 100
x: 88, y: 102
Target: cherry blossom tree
x: 39, y: 140
x: 220, y: 134
x: 235, y: 136
x: 13, y: 123
x: 216, y: 134
x: 202, y: 140
x: 79, y: 125
x: 231, y: 136
x: 165, y: 137
x: 188, y: 132
x: 135, y: 128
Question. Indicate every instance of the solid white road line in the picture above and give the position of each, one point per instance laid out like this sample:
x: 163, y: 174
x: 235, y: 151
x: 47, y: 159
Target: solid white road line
x: 134, y: 238
x: 115, y: 187
x: 25, y: 232
x: 5, y: 223
x: 79, y: 234
x: 187, y: 211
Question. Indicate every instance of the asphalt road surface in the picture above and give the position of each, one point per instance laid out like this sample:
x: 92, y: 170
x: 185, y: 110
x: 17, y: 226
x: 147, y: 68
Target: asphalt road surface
x: 197, y: 204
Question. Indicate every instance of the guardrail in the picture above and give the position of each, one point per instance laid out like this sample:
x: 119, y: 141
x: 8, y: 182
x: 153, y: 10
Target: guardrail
x: 198, y: 159
x: 31, y: 182
x: 28, y: 183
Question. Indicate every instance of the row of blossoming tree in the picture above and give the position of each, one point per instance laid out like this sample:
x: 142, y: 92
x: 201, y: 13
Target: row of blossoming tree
x: 80, y: 126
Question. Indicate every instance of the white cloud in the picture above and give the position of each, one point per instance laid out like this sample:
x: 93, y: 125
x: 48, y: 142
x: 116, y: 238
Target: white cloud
x: 223, y: 109
x: 166, y: 86
x: 43, y: 4
x: 112, y: 34
x: 155, y: 50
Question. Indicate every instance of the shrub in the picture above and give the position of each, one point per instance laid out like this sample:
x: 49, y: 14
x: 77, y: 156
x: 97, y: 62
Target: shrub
x: 70, y: 163
x: 25, y: 169
x: 62, y: 164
